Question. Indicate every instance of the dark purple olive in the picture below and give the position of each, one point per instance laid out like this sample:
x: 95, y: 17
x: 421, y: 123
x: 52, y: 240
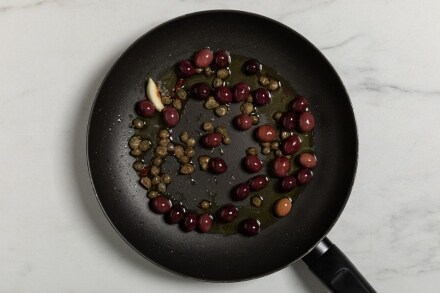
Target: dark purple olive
x: 145, y: 108
x: 204, y: 223
x: 241, y: 91
x: 291, y: 145
x: 200, y: 91
x: 258, y: 182
x: 217, y: 165
x: 175, y: 214
x: 241, y: 191
x: 288, y: 121
x: 252, y: 66
x: 281, y: 166
x: 203, y: 58
x: 223, y: 95
x: 243, y: 122
x: 303, y: 176
x: 306, y: 122
x: 261, y: 97
x: 170, y: 116
x: 227, y: 213
x: 299, y: 104
x: 250, y: 227
x: 160, y: 204
x: 185, y: 68
x: 189, y: 223
x: 253, y: 164
x: 222, y: 59
x: 288, y: 183
x: 211, y: 140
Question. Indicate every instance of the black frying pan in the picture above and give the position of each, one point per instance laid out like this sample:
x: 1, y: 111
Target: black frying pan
x: 211, y: 256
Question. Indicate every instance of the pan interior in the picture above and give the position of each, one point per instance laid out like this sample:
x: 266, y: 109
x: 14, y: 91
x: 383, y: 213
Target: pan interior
x: 215, y: 257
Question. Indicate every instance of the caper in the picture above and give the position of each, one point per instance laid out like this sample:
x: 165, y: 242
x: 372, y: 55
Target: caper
x: 208, y: 126
x: 247, y: 108
x: 161, y: 151
x: 157, y: 161
x: 152, y: 194
x: 204, y: 204
x: 182, y: 94
x: 217, y: 82
x: 274, y: 85
x: 134, y: 142
x: 207, y: 71
x: 199, y: 70
x: 190, y: 152
x: 222, y: 130
x: 164, y: 142
x: 265, y: 144
x: 221, y: 110
x: 255, y: 119
x: 274, y: 145
x: 167, y: 100
x: 191, y: 142
x: 164, y: 133
x: 278, y: 153
x: 203, y: 161
x: 251, y: 151
x: 136, y: 152
x: 284, y: 135
x: 144, y: 145
x: 138, y: 123
x: 184, y: 159
x: 138, y: 165
x: 263, y: 80
x: 184, y: 136
x: 156, y: 180
x: 249, y: 99
x: 265, y: 151
x: 226, y: 139
x: 211, y: 103
x: 222, y: 73
x: 187, y: 168
x: 154, y: 170
x: 277, y: 116
x: 178, y: 151
x: 177, y: 104
x: 161, y: 187
x: 170, y: 147
x: 166, y: 178
x: 145, y: 182
x: 257, y: 201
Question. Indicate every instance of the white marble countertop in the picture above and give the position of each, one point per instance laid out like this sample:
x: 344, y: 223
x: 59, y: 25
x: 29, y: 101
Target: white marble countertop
x: 55, y: 53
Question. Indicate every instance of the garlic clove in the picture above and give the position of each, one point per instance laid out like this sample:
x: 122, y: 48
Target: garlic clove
x: 154, y: 95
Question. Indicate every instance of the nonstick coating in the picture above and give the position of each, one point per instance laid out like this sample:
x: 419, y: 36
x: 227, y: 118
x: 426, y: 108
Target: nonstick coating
x: 212, y: 256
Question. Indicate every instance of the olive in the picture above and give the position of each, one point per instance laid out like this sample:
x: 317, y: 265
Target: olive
x: 241, y: 191
x: 185, y: 68
x: 203, y: 58
x: 287, y: 183
x: 160, y: 204
x: 253, y: 164
x: 189, y: 222
x: 299, y: 104
x: 217, y: 165
x: 288, y: 121
x: 281, y: 166
x: 243, y: 122
x: 307, y: 160
x: 200, y: 91
x: 306, y: 122
x: 222, y: 59
x: 145, y: 108
x: 252, y: 66
x: 170, y: 116
x: 240, y: 92
x: 291, y: 145
x: 204, y: 223
x: 261, y: 97
x: 258, y: 182
x: 227, y: 213
x: 282, y: 207
x: 266, y: 133
x: 223, y: 95
x: 175, y: 214
x: 250, y: 227
x: 303, y: 176
x: 211, y: 140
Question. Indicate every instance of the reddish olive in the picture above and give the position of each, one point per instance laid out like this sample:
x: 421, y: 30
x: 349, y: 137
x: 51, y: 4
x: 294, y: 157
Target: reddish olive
x: 240, y: 92
x: 291, y: 145
x: 250, y: 227
x: 266, y: 133
x: 204, y: 223
x: 299, y: 104
x: 288, y: 121
x: 145, y: 108
x: 287, y: 183
x: 160, y: 204
x: 227, y: 213
x: 303, y: 176
x: 189, y: 223
x: 223, y: 95
x: 211, y: 140
x: 281, y: 166
x: 175, y: 214
x: 217, y: 165
x: 222, y: 59
x: 253, y: 164
x: 258, y: 182
x: 241, y: 191
x: 203, y: 58
x: 170, y: 116
x: 261, y: 97
x: 185, y: 68
x: 200, y: 91
x: 306, y: 122
x: 307, y: 160
x: 243, y: 122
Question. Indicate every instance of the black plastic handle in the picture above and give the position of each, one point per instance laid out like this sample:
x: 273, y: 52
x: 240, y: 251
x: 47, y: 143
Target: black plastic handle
x: 335, y: 270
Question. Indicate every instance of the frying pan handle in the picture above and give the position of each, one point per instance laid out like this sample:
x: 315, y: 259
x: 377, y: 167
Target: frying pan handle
x: 335, y: 270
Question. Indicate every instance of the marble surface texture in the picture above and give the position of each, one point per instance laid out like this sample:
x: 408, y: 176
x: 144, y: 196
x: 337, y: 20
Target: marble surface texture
x: 55, y: 53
